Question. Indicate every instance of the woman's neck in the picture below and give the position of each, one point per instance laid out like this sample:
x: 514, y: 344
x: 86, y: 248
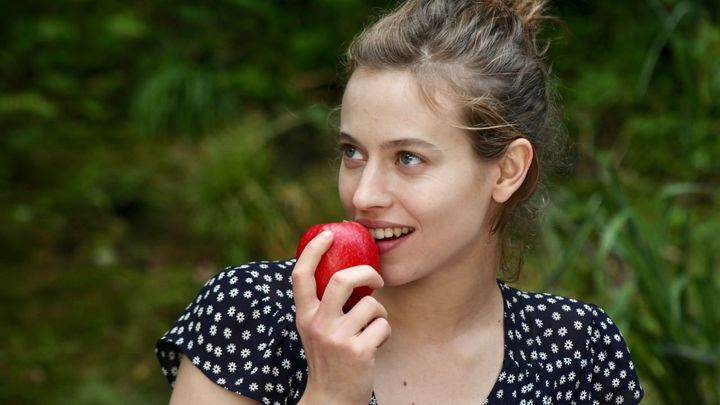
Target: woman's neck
x: 447, y: 304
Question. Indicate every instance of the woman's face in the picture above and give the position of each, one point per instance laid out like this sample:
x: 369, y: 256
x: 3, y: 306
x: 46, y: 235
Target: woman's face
x: 413, y: 179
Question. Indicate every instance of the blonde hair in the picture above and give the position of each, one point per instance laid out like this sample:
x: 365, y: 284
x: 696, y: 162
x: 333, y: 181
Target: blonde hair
x: 487, y: 54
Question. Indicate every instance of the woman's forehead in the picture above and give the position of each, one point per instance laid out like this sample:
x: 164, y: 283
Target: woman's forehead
x: 397, y: 97
x: 386, y: 109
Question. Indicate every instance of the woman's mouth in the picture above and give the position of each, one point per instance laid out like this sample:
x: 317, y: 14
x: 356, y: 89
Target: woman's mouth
x: 387, y: 239
x: 390, y: 233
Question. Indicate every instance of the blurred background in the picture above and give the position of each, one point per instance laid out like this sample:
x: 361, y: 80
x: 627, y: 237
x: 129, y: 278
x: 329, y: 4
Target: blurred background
x: 146, y: 145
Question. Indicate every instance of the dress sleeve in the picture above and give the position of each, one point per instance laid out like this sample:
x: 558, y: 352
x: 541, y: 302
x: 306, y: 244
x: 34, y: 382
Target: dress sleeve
x: 240, y: 332
x: 610, y: 374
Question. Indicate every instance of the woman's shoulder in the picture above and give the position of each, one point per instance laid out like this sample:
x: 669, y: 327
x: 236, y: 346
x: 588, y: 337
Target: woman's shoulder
x: 240, y: 332
x: 542, y: 304
x: 568, y: 338
x: 550, y: 317
x: 265, y: 281
x: 256, y: 290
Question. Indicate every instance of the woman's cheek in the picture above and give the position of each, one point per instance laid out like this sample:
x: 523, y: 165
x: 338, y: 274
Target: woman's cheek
x: 346, y: 193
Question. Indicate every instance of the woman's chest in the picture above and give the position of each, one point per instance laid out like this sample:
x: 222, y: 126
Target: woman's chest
x: 435, y: 378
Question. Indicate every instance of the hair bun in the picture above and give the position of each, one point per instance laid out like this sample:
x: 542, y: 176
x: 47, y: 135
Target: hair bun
x: 530, y: 12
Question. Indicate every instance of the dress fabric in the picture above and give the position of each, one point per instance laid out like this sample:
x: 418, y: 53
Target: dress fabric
x: 240, y: 332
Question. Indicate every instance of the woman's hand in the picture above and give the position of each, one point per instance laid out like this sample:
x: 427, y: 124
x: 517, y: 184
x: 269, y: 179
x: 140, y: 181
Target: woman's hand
x: 340, y: 347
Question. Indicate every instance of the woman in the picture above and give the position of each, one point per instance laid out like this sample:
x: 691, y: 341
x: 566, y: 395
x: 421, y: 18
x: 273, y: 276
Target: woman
x: 442, y: 120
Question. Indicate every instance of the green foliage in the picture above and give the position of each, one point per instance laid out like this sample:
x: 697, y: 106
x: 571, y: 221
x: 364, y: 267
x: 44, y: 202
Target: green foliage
x: 144, y: 146
x: 652, y: 264
x: 244, y: 204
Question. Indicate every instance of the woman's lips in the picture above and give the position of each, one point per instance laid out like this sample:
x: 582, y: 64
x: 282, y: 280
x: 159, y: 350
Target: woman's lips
x: 387, y: 235
x: 386, y: 245
x: 387, y: 240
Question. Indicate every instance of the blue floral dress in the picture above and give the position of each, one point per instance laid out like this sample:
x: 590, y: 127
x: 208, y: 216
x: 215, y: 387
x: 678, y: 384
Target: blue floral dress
x: 240, y: 332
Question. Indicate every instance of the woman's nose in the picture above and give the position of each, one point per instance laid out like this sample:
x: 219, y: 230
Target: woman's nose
x: 372, y: 189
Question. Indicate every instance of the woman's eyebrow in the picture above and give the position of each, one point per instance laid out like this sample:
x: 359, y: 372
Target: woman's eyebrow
x: 393, y: 144
x: 345, y: 137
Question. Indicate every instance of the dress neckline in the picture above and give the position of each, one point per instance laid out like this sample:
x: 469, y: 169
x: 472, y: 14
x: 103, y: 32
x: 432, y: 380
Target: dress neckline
x: 504, y: 289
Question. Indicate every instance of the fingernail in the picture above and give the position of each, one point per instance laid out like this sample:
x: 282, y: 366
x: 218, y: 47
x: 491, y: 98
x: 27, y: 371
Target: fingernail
x: 326, y: 234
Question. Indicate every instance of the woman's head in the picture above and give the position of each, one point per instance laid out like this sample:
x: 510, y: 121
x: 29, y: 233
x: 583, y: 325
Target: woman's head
x: 482, y: 55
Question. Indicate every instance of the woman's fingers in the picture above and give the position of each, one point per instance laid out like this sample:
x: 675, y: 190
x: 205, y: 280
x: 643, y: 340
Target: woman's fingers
x: 363, y: 313
x: 376, y: 333
x: 303, y: 275
x: 341, y: 286
x: 339, y: 347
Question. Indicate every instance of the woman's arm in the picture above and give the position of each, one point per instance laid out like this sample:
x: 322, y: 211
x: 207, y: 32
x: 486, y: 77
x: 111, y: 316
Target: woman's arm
x: 192, y: 387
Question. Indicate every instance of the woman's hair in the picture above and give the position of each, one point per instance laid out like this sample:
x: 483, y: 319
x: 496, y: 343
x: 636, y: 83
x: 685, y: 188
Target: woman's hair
x: 486, y: 53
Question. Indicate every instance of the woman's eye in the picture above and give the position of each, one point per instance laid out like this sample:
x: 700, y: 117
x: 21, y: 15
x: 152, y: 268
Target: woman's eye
x: 409, y: 159
x: 350, y: 152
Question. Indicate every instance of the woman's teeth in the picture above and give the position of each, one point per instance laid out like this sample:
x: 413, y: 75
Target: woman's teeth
x: 384, y: 233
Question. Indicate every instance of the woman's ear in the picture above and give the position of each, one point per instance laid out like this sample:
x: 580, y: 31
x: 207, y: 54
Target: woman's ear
x: 513, y: 168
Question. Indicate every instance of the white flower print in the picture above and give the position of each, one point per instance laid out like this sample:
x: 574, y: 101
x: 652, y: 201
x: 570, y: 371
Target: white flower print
x: 259, y: 350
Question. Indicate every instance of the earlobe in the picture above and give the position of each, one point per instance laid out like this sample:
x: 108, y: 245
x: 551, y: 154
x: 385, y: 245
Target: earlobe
x: 513, y: 168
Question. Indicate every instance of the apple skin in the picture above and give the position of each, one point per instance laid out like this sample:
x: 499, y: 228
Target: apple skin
x: 352, y: 245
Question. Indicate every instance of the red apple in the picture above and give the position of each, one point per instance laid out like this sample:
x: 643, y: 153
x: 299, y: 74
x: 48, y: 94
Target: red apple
x: 352, y: 245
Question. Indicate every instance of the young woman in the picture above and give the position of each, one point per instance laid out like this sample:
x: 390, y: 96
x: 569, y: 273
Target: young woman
x: 442, y: 122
